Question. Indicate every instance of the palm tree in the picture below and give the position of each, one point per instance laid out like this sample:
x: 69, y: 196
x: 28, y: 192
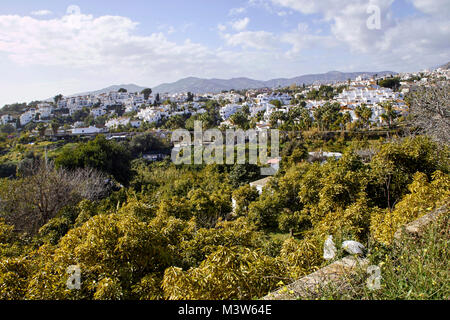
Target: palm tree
x: 389, y: 113
x: 58, y: 98
x: 346, y: 118
x: 364, y: 113
x: 55, y: 127
x: 41, y: 129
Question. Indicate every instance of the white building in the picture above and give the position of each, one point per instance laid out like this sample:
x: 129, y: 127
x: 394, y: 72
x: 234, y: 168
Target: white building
x: 6, y: 119
x: 45, y: 111
x: 89, y: 130
x: 27, y: 117
x: 260, y: 184
x: 152, y: 114
x: 98, y: 112
x: 229, y: 110
x: 115, y: 123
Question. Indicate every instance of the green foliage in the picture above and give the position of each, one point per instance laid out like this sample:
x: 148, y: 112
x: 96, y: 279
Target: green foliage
x: 328, y: 116
x: 241, y: 174
x: 243, y: 197
x: 240, y: 119
x: 146, y: 92
x: 416, y: 269
x: 101, y: 154
x: 227, y: 273
x: 392, y: 83
x: 7, y: 128
x: 424, y: 197
x: 7, y: 169
x: 173, y: 233
x: 276, y: 103
x: 14, y: 109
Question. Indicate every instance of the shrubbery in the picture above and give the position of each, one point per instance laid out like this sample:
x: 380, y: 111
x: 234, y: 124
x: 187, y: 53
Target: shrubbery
x: 173, y: 234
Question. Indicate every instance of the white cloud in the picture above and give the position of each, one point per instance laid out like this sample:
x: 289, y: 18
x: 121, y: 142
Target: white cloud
x: 221, y: 27
x: 236, y: 11
x: 410, y: 42
x: 82, y: 41
x: 302, y: 38
x: 108, y: 49
x: 41, y: 13
x: 260, y: 40
x: 241, y: 24
x: 433, y: 7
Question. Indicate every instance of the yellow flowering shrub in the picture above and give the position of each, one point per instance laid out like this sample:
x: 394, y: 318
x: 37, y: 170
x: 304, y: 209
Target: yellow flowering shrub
x: 424, y: 197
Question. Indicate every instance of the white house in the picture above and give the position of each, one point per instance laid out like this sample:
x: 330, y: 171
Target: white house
x: 27, y: 117
x: 98, y: 112
x: 89, y: 130
x: 45, y: 111
x: 114, y: 123
x: 260, y: 184
x: 6, y: 119
x: 229, y: 110
x: 152, y: 114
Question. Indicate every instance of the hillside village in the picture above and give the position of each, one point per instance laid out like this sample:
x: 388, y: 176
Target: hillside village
x: 125, y: 111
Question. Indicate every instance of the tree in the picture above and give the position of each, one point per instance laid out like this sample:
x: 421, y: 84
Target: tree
x: 326, y: 92
x: 389, y: 113
x: 240, y: 119
x: 106, y: 156
x: 57, y: 98
x: 242, y: 174
x: 346, y: 118
x: 364, y: 113
x: 327, y: 115
x: 424, y: 197
x: 277, y: 116
x: 430, y: 111
x: 122, y: 90
x: 30, y: 202
x: 265, y: 211
x: 119, y: 255
x: 41, y: 128
x: 243, y: 196
x: 7, y: 128
x: 393, y: 167
x: 175, y: 122
x: 227, y: 273
x: 146, y: 92
x: 276, y: 103
x: 55, y: 126
x: 392, y: 83
x: 143, y: 143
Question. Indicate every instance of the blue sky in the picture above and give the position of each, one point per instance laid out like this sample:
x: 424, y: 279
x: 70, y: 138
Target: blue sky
x: 46, y: 50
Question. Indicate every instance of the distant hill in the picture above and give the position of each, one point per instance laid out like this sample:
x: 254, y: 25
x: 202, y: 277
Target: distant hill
x: 445, y: 66
x: 199, y: 85
x: 129, y: 87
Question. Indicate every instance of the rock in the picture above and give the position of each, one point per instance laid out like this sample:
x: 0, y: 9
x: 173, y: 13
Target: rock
x: 329, y: 249
x: 353, y: 247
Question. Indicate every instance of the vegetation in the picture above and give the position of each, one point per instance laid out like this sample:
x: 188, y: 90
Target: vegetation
x: 172, y: 233
x: 414, y: 269
x: 430, y: 111
x: 140, y: 230
x: 392, y: 83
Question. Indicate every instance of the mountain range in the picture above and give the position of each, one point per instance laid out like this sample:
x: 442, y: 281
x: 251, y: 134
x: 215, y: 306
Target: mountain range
x: 445, y: 66
x: 200, y: 85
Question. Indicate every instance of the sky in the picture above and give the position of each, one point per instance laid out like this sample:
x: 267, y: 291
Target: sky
x: 48, y: 47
